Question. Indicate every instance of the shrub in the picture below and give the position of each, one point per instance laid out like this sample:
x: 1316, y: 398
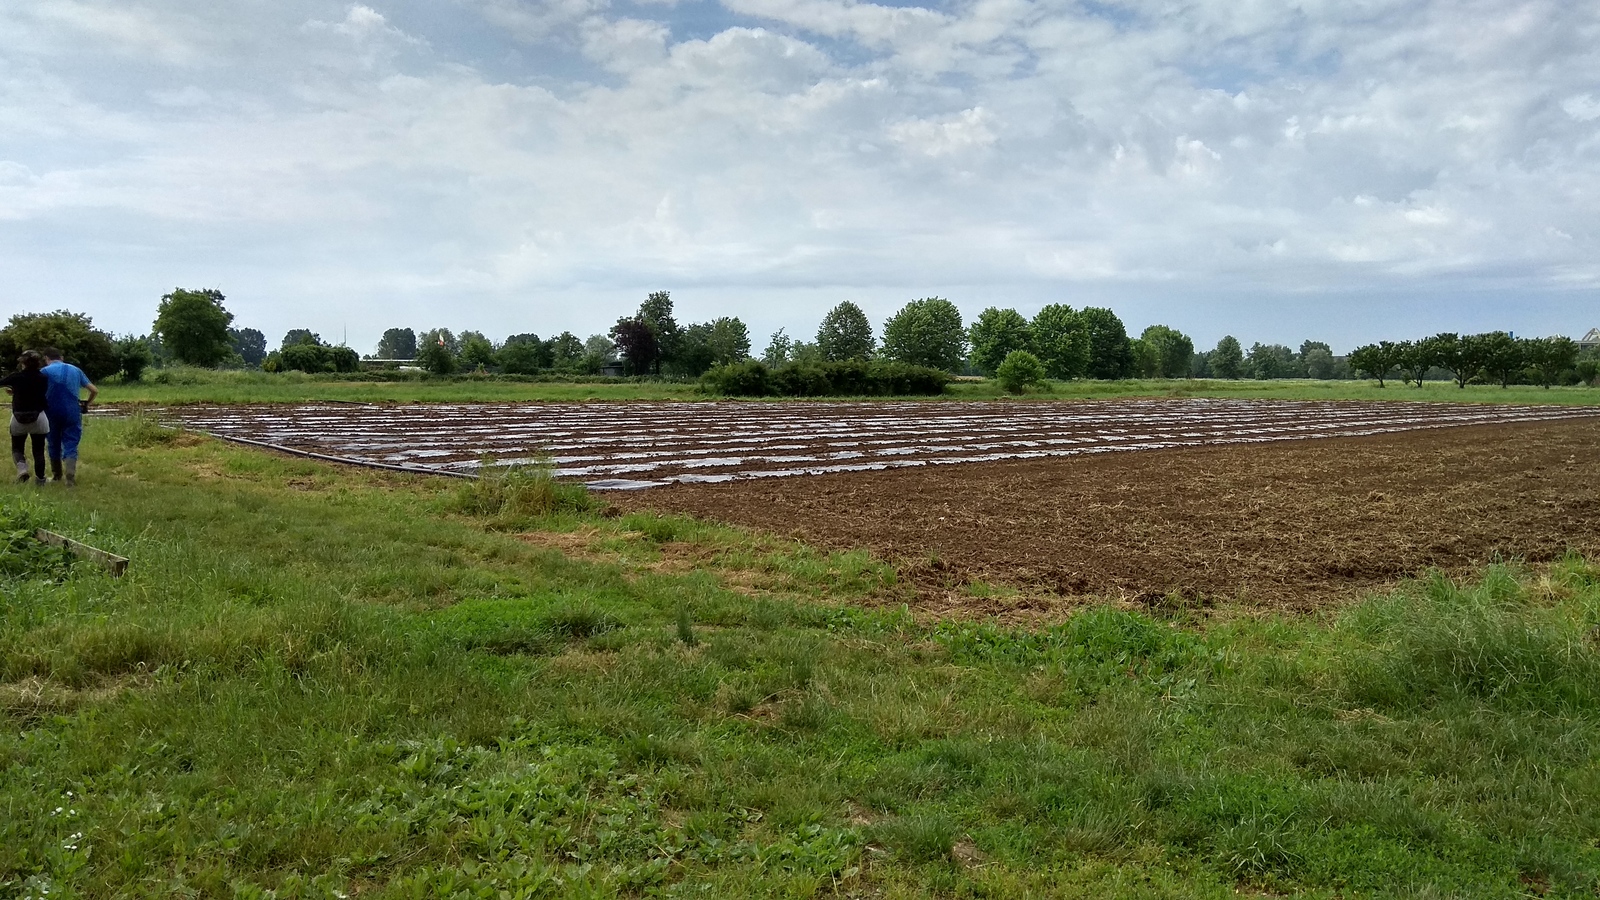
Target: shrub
x: 520, y: 492
x: 1020, y: 371
x: 818, y: 378
x: 144, y: 429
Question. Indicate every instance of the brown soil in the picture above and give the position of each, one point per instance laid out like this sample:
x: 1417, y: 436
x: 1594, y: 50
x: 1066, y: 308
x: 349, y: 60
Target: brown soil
x: 1292, y: 525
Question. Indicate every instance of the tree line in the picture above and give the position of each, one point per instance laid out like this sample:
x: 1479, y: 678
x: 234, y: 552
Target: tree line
x: 194, y: 327
x: 1495, y: 357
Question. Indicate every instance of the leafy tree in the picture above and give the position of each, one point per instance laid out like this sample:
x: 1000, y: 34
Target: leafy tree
x: 730, y: 340
x: 1019, y: 371
x: 600, y: 347
x: 845, y: 334
x: 1200, y: 365
x: 398, y: 343
x: 995, y: 335
x: 194, y: 326
x: 926, y: 332
x: 524, y: 354
x: 1376, y: 360
x: 1268, y: 361
x: 1172, y: 349
x: 249, y: 344
x: 1550, y: 357
x: 436, y: 336
x: 1308, y: 346
x: 566, y: 351
x: 1415, y: 358
x: 778, y: 349
x: 1146, y: 364
x: 636, y: 340
x: 476, y: 350
x: 437, y: 356
x: 301, y: 336
x: 1502, y: 355
x: 656, y: 313
x: 1110, y: 356
x: 1227, y: 361
x: 1457, y: 355
x: 72, y: 333
x: 1587, y: 371
x: 1318, y: 363
x: 1061, y: 340
x: 133, y: 357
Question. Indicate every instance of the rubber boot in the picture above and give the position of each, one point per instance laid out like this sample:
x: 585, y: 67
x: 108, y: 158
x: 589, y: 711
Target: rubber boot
x: 55, y: 470
x: 72, y: 472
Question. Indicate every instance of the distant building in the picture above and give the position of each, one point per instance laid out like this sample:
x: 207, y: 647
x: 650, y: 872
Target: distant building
x: 1590, y: 340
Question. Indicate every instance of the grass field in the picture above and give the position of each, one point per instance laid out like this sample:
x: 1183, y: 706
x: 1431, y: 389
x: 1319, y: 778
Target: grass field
x: 321, y: 682
x: 205, y: 386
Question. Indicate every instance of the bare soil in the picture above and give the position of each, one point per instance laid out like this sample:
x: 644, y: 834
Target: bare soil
x: 1287, y: 525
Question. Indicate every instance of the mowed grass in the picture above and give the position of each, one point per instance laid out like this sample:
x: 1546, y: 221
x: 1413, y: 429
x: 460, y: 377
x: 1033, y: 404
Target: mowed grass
x: 321, y: 682
x: 183, y: 385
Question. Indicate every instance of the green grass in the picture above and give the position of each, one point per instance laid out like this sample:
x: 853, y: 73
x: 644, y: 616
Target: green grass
x: 181, y: 385
x: 319, y: 682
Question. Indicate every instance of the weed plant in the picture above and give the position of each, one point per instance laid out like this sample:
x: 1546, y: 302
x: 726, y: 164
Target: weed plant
x: 323, y: 682
x: 517, y: 493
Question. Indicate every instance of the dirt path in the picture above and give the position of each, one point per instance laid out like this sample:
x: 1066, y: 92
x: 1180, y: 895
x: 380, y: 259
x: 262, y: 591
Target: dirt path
x: 1296, y: 524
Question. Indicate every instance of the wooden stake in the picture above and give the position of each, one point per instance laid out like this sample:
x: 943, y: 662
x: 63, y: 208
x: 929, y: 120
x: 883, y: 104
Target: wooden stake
x: 116, y: 565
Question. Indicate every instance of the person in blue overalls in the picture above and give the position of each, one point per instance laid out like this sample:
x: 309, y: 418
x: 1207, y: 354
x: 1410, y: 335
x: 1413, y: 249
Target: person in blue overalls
x: 65, y: 409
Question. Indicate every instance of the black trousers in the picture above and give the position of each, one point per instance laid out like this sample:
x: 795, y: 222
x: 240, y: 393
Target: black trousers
x: 18, y: 441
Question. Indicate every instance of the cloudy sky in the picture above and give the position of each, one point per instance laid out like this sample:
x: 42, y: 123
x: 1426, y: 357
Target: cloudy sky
x: 1343, y: 170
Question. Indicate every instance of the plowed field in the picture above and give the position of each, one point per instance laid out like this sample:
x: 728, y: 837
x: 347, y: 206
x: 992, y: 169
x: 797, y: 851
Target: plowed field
x: 1284, y: 525
x: 636, y: 445
x: 1023, y: 509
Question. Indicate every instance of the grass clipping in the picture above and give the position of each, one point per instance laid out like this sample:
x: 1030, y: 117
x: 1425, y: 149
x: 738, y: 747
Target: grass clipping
x: 511, y: 494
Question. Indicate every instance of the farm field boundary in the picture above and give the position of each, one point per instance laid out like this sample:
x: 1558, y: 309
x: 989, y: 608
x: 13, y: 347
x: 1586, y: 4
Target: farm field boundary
x: 647, y: 444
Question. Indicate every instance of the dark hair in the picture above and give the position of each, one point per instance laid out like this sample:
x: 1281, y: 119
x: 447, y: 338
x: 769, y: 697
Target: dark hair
x: 30, y: 360
x: 51, y: 353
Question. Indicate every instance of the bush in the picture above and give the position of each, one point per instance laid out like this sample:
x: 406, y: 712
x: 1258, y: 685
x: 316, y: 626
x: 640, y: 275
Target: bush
x: 847, y: 378
x: 521, y: 492
x: 1020, y: 371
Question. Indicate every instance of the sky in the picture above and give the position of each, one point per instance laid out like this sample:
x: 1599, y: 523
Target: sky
x: 1338, y: 170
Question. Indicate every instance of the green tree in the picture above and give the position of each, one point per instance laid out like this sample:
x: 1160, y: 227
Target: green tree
x: 397, y: 343
x: 437, y: 356
x: 1457, y: 355
x: 1551, y: 357
x: 1376, y: 360
x: 1146, y: 363
x: 1172, y: 349
x: 301, y: 336
x: 995, y: 334
x: 1269, y: 361
x: 566, y: 351
x: 1019, y: 371
x: 845, y: 334
x: 778, y: 348
x: 1061, y: 340
x: 436, y: 336
x: 1415, y: 358
x: 926, y: 332
x: 133, y: 357
x: 1227, y: 361
x: 1319, y: 363
x: 193, y: 326
x: 74, y: 334
x: 1500, y: 354
x: 250, y: 345
x: 1110, y: 355
x: 476, y: 350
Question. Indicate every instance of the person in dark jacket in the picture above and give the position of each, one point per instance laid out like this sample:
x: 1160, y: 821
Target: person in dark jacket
x: 27, y: 388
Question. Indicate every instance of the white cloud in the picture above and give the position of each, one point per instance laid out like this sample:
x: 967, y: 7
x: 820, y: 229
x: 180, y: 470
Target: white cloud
x: 1026, y: 150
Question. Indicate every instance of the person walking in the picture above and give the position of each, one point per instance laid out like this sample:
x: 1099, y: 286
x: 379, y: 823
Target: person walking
x: 28, y: 419
x: 66, y: 410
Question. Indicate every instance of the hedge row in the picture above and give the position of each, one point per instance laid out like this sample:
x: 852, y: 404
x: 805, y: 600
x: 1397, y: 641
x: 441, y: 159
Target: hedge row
x: 852, y: 378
